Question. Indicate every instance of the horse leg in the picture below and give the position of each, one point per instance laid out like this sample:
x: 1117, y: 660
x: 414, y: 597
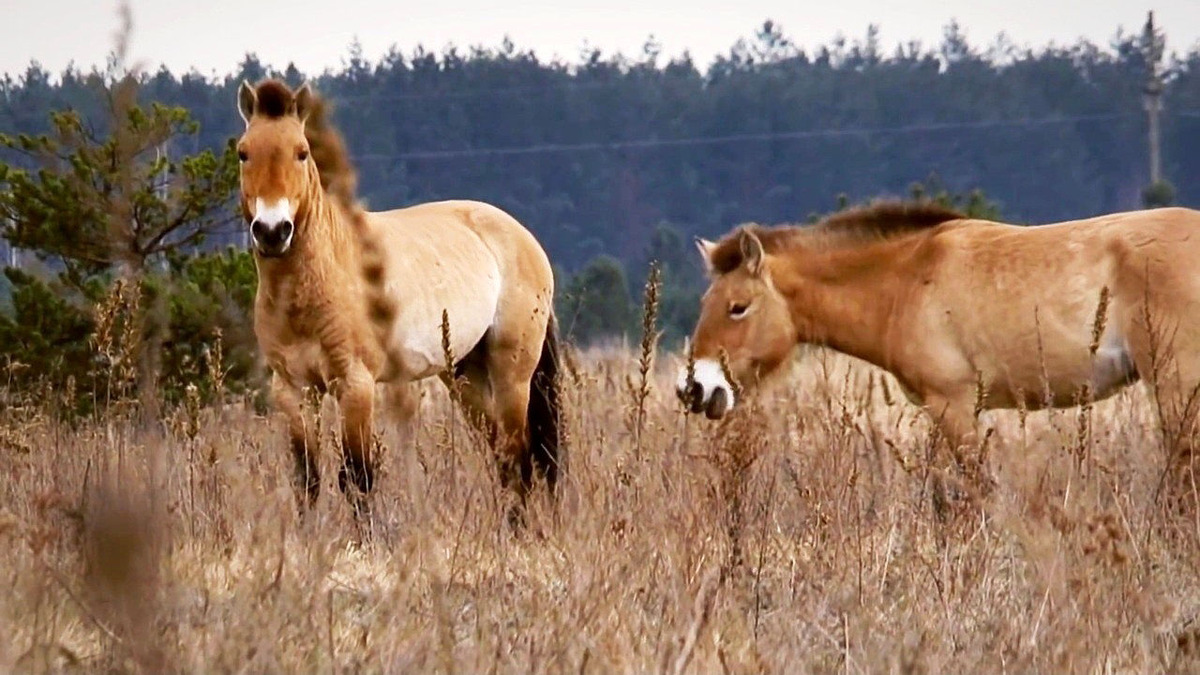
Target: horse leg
x: 497, y: 406
x: 471, y: 388
x: 1176, y: 390
x: 510, y: 363
x: 1163, y: 345
x: 955, y: 421
x: 302, y: 434
x: 356, y: 398
x: 401, y: 402
x: 514, y: 460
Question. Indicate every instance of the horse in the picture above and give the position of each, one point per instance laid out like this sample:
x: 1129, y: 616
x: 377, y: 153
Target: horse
x: 349, y: 299
x: 967, y: 314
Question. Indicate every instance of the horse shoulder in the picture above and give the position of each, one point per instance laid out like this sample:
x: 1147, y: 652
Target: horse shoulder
x: 938, y: 308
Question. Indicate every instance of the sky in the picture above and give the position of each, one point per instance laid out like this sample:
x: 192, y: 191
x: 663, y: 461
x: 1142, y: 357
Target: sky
x: 212, y: 36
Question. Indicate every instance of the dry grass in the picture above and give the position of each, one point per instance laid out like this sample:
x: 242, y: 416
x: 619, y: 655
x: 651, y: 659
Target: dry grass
x: 796, y: 537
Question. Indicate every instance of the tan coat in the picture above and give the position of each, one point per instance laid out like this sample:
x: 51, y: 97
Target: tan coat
x: 1037, y: 316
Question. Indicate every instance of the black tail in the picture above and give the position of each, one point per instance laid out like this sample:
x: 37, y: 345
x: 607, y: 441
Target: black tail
x: 544, y: 409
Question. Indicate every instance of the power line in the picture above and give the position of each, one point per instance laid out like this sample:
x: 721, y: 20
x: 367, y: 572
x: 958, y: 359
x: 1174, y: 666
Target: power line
x: 739, y: 138
x: 477, y: 93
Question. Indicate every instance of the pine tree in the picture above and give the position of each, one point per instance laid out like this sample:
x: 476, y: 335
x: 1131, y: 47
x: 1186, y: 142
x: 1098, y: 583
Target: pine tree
x: 96, y: 200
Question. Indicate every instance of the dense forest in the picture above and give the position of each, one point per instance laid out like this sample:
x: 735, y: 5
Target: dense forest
x: 615, y: 159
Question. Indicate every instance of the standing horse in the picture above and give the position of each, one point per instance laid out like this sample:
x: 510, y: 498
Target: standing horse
x: 962, y: 312
x: 348, y: 298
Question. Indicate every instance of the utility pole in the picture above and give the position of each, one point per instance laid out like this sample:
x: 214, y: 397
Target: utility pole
x: 1153, y: 45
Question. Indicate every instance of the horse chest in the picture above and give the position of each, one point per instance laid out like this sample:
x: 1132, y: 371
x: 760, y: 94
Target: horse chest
x: 302, y: 363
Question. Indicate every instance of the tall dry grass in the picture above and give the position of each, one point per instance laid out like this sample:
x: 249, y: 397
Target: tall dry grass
x: 797, y: 536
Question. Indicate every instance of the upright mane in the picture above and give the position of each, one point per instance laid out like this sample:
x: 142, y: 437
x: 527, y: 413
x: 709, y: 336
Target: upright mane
x: 273, y: 99
x: 880, y: 220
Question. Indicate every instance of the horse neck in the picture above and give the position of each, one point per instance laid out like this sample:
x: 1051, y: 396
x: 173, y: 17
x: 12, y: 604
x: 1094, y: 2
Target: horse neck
x: 328, y: 244
x: 320, y: 269
x: 846, y: 299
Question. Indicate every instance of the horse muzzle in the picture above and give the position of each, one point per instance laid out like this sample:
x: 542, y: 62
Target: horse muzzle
x: 713, y: 406
x: 705, y: 390
x: 272, y: 241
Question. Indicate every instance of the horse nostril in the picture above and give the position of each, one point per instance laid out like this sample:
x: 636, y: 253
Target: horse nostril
x: 718, y: 405
x: 258, y: 229
x: 285, y: 230
x: 696, y: 396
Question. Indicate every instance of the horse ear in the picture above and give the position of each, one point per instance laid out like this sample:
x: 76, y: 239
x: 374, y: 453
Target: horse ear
x: 705, y: 247
x: 752, y: 252
x: 303, y: 101
x: 247, y: 99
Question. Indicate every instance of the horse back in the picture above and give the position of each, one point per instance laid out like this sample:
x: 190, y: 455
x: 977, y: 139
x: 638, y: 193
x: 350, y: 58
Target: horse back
x: 1020, y: 304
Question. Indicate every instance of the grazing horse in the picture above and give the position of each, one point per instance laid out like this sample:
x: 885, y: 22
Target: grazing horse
x: 348, y: 298
x: 967, y: 314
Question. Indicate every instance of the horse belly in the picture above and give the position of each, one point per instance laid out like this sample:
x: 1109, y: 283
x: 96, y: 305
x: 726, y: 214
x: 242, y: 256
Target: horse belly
x: 1064, y: 370
x: 418, y: 345
x: 437, y: 265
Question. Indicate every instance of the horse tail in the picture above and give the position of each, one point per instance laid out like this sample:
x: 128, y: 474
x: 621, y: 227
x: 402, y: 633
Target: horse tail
x: 544, y: 408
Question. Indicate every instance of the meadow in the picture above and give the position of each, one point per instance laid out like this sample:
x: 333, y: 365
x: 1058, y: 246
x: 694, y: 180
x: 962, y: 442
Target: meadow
x: 797, y: 535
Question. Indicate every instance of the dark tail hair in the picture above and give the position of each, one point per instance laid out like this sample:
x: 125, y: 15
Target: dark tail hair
x: 543, y: 416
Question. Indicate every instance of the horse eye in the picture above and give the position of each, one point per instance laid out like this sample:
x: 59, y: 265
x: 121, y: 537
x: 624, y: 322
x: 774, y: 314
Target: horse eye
x: 302, y: 156
x: 737, y: 310
x: 242, y: 156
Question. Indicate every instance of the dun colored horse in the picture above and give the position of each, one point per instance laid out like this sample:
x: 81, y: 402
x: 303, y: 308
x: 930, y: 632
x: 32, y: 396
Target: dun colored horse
x: 348, y: 298
x: 966, y: 314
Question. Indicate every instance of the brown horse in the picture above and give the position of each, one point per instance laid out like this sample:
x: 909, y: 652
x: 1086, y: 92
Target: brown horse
x: 348, y: 298
x: 966, y: 314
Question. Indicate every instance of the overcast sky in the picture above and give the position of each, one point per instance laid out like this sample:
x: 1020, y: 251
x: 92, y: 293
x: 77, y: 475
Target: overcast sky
x: 213, y: 35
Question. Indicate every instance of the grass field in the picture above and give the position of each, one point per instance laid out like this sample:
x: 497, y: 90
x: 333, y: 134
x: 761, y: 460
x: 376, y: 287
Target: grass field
x: 796, y: 536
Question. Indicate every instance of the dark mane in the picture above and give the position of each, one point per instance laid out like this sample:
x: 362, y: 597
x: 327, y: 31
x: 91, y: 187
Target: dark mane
x: 329, y: 153
x: 886, y: 219
x: 274, y: 99
x: 873, y: 222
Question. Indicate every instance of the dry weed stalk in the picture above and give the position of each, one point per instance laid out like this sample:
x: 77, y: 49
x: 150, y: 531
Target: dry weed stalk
x: 453, y: 382
x: 649, y: 345
x: 701, y: 613
x: 117, y: 336
x: 740, y: 441
x: 214, y: 363
x: 725, y: 369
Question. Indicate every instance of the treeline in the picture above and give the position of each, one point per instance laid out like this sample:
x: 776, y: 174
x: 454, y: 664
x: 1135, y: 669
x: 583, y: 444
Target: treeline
x: 615, y: 160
